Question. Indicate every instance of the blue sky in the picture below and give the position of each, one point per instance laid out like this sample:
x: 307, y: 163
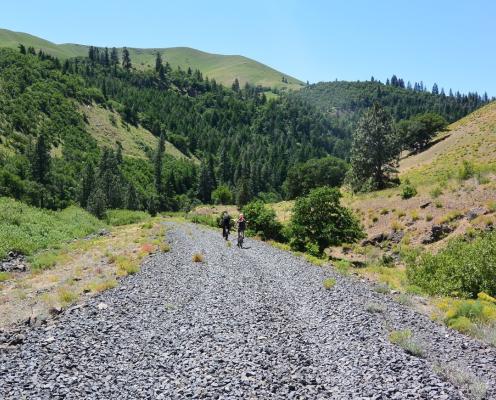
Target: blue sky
x: 452, y: 42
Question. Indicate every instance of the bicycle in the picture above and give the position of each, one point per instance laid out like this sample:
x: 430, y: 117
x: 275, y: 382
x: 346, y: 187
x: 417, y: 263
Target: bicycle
x: 241, y: 238
x: 225, y: 232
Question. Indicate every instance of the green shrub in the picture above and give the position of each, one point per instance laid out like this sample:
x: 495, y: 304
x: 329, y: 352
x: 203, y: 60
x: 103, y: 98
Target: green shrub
x: 436, y: 192
x: 28, y: 229
x: 329, y: 283
x: 262, y: 220
x: 222, y: 195
x: 405, y: 340
x: 466, y: 171
x: 461, y: 324
x: 319, y: 218
x: 4, y: 276
x: 408, y: 190
x: 462, y: 268
x: 125, y: 217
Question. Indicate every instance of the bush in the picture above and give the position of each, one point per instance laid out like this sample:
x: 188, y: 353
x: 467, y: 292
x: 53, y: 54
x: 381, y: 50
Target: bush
x: 28, y: 229
x: 222, y: 195
x: 262, y: 220
x: 405, y: 340
x: 408, y: 190
x: 319, y: 218
x: 125, y: 217
x: 462, y: 268
x: 329, y: 283
x: 466, y: 171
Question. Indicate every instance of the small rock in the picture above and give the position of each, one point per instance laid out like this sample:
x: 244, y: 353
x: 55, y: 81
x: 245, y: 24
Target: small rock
x: 55, y: 310
x: 102, y: 306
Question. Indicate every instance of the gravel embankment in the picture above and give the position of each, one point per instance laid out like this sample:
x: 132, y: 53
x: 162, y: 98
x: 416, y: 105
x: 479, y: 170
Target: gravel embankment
x: 252, y: 323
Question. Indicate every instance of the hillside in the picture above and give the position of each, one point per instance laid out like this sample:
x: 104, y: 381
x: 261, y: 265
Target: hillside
x: 456, y: 183
x: 108, y: 129
x: 223, y: 68
x: 346, y: 101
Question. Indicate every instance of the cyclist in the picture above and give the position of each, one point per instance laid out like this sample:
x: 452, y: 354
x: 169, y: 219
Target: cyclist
x: 225, y: 223
x: 241, y: 222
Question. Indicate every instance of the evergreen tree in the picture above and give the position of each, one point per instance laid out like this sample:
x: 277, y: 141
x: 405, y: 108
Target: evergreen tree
x: 126, y: 59
x: 40, y: 160
x: 110, y: 180
x: 435, y: 89
x: 206, y: 183
x: 243, y: 194
x: 158, y: 164
x: 374, y: 151
x: 97, y: 204
x: 132, y: 201
x: 114, y: 58
x: 87, y: 184
x: 158, y: 63
x: 22, y: 49
x: 235, y: 85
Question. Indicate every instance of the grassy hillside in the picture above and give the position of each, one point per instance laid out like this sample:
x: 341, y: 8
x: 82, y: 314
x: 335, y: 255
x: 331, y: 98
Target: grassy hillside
x: 223, y: 68
x: 471, y: 139
x: 454, y: 178
x: 108, y: 128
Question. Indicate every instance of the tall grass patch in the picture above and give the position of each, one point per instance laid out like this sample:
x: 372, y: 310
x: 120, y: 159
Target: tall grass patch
x: 28, y: 229
x: 125, y: 217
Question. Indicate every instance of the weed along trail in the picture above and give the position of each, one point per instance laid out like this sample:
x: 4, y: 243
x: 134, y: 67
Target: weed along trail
x: 207, y: 320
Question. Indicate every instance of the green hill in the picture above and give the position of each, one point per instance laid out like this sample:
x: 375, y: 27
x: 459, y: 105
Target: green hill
x: 223, y: 68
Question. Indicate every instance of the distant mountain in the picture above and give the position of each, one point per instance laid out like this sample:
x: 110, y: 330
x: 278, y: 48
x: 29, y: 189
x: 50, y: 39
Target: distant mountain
x: 223, y: 68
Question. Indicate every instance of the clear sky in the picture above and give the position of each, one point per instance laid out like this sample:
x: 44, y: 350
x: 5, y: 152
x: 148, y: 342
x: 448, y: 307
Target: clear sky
x: 451, y: 42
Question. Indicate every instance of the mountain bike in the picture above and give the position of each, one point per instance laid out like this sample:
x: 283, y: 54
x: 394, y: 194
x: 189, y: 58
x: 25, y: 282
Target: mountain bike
x: 241, y: 238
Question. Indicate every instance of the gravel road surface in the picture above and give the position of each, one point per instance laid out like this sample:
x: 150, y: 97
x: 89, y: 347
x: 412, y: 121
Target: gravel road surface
x: 253, y: 323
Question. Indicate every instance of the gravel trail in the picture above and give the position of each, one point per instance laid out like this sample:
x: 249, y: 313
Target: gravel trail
x: 252, y: 323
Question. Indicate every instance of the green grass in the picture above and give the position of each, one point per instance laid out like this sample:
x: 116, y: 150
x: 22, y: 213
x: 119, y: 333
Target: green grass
x: 4, y: 276
x: 223, y: 68
x: 329, y: 283
x: 28, y: 229
x: 125, y: 217
x: 135, y: 141
x: 405, y: 340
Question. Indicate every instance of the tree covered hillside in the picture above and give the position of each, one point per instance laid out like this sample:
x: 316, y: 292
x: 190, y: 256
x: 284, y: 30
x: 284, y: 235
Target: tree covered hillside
x: 49, y: 159
x: 346, y: 101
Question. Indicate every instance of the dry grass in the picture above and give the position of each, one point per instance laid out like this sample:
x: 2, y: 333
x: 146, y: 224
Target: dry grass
x: 77, y: 269
x: 198, y: 257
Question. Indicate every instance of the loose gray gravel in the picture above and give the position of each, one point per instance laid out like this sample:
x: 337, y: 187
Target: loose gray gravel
x: 252, y: 323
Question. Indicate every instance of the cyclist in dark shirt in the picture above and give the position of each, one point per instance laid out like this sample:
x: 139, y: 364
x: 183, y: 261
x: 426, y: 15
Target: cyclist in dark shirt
x: 241, y: 222
x: 225, y: 223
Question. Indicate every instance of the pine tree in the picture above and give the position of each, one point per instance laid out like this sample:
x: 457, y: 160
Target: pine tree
x: 235, y: 85
x: 132, y: 201
x: 243, y: 194
x: 87, y: 184
x: 22, y: 49
x: 158, y: 63
x: 159, y: 163
x: 97, y: 204
x: 114, y: 58
x: 40, y: 160
x: 110, y: 180
x: 206, y: 183
x: 126, y: 59
x: 435, y: 89
x: 374, y: 152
